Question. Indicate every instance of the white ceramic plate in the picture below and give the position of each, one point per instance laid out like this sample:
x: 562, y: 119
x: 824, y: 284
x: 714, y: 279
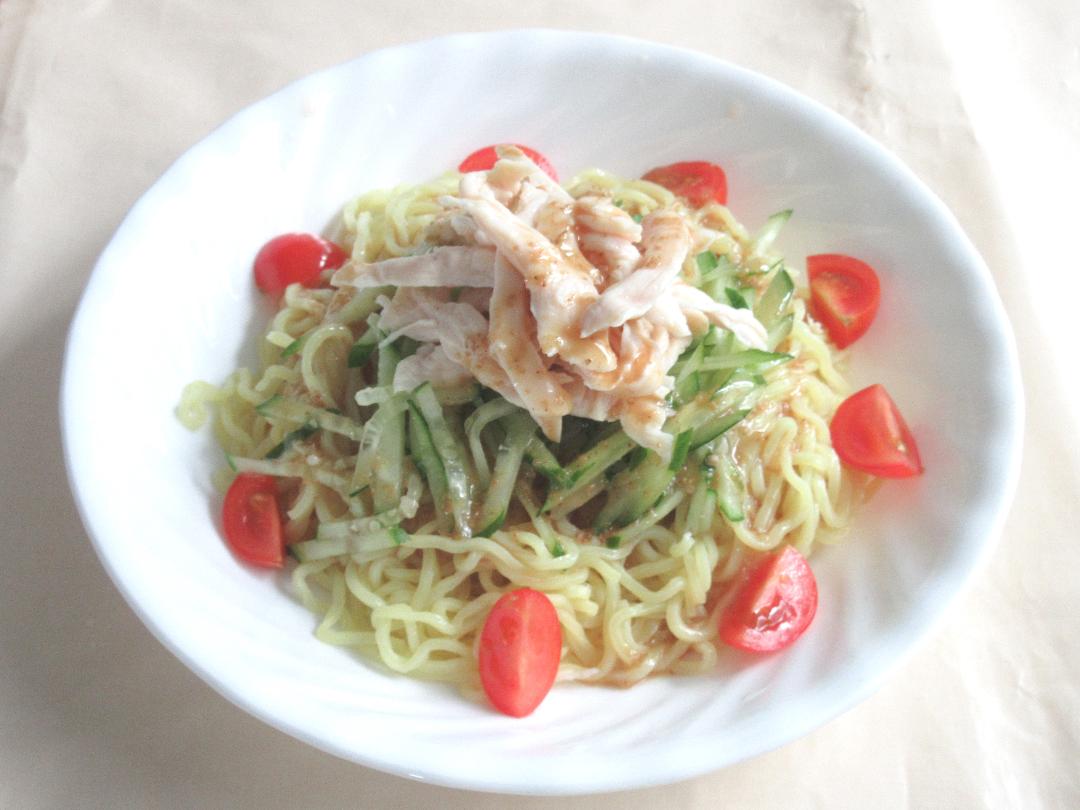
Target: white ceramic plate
x: 172, y: 300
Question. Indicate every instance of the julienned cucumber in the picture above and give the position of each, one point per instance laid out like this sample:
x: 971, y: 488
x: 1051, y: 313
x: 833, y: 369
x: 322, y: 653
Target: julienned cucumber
x: 545, y: 463
x: 423, y: 452
x: 715, y: 426
x: 636, y: 489
x: 769, y: 231
x: 451, y: 453
x: 388, y: 456
x: 519, y: 430
x: 590, y: 464
x: 748, y: 359
x: 773, y: 304
x: 727, y: 482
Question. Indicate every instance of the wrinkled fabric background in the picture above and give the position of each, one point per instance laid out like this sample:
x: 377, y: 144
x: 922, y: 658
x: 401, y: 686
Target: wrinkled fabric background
x: 98, y: 97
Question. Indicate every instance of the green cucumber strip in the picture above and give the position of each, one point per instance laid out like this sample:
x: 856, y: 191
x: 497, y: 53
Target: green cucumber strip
x: 715, y: 426
x: 680, y: 450
x: 689, y: 362
x: 422, y: 450
x: 746, y: 359
x: 706, y: 261
x: 387, y: 365
x: 774, y: 302
x: 294, y: 410
x: 300, y: 434
x: 545, y: 463
x: 362, y: 350
x: 636, y: 489
x: 728, y: 484
x: 387, y: 457
x: 702, y: 504
x: 778, y: 331
x: 689, y: 388
x: 660, y: 511
x: 263, y: 407
x: 519, y: 430
x: 718, y: 343
x: 736, y: 298
x: 580, y: 497
x: 474, y: 427
x: 293, y: 347
x: 590, y: 465
x: 769, y: 231
x: 452, y: 454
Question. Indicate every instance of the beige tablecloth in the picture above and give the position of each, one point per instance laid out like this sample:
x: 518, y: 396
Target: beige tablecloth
x: 98, y: 97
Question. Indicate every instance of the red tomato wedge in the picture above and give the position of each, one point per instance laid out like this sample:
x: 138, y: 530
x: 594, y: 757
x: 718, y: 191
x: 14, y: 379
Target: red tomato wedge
x: 252, y: 520
x: 698, y: 181
x: 483, y: 159
x: 773, y: 606
x: 520, y: 647
x: 869, y: 434
x: 295, y: 258
x: 844, y: 295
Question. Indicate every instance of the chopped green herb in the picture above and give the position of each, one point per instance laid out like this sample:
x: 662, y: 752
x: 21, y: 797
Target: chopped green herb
x: 637, y: 217
x: 706, y: 261
x: 557, y: 550
x: 619, y: 203
x: 735, y: 298
x: 229, y: 460
x: 262, y: 407
x: 356, y: 492
x: 398, y: 535
x: 614, y: 541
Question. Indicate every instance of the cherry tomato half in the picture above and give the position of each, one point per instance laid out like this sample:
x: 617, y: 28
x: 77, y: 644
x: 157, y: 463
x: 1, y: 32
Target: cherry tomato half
x: 698, y: 181
x: 844, y: 295
x: 520, y: 647
x: 295, y: 258
x: 483, y: 159
x: 252, y: 520
x: 869, y: 434
x: 774, y: 604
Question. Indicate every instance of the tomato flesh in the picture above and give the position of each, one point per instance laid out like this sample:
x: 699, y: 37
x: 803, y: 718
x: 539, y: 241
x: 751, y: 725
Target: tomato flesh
x: 699, y: 181
x: 483, y: 159
x: 520, y: 647
x: 295, y: 258
x: 869, y: 434
x: 773, y: 605
x: 844, y: 295
x: 252, y: 520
